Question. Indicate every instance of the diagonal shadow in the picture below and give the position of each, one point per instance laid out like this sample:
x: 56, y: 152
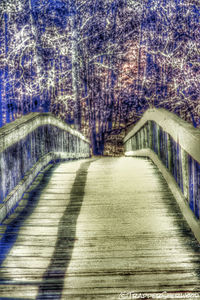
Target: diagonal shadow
x: 53, y: 279
x: 12, y: 229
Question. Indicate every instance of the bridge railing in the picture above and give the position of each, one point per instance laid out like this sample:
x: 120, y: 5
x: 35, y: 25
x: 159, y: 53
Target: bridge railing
x: 29, y: 144
x: 176, y: 144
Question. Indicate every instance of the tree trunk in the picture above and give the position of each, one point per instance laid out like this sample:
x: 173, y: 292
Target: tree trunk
x: 75, y: 75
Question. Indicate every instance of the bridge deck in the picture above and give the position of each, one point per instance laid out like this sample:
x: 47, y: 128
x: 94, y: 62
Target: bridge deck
x: 93, y: 229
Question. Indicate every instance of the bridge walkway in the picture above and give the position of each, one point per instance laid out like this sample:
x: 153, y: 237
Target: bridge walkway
x: 96, y: 228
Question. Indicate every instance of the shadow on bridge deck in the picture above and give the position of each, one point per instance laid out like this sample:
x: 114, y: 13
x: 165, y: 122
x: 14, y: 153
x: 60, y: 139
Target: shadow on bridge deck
x: 97, y: 228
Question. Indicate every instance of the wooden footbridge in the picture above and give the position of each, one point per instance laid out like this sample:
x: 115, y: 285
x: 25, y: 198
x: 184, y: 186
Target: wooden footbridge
x: 100, y: 227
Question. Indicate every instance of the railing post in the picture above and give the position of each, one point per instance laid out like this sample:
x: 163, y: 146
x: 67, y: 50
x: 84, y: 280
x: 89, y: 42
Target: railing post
x: 150, y: 136
x: 137, y: 141
x: 158, y: 140
x: 169, y: 150
x: 128, y: 145
x: 142, y: 138
x: 132, y: 143
x: 145, y: 136
x: 184, y: 159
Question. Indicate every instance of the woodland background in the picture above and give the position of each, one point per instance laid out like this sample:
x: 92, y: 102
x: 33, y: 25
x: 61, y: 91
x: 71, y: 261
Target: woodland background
x: 99, y: 64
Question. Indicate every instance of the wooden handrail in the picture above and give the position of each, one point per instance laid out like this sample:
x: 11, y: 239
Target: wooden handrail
x: 182, y: 132
x: 13, y: 132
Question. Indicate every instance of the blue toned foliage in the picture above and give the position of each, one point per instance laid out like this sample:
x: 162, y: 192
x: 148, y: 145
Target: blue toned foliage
x: 99, y: 64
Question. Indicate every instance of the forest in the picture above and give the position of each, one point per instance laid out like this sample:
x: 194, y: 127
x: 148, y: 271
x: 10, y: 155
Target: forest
x: 98, y: 65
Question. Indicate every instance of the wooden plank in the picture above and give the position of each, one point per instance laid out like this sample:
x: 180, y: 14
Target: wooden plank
x: 117, y: 228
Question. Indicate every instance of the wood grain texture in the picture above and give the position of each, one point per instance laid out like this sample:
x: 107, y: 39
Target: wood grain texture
x: 94, y: 228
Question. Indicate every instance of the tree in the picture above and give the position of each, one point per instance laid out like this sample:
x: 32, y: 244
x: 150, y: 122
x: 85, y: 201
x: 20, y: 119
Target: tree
x: 99, y: 65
